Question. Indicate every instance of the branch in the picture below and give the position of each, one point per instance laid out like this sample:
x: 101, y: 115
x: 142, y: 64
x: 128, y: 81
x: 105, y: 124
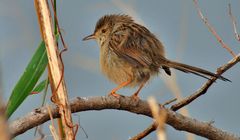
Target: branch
x: 205, y: 86
x: 192, y: 97
x: 176, y: 120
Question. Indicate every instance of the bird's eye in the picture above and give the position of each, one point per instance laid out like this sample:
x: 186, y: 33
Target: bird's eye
x: 103, y: 30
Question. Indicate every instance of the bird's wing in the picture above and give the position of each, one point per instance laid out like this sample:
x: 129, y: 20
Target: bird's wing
x: 135, y: 46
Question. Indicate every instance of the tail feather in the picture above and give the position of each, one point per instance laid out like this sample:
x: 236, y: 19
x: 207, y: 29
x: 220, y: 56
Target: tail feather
x: 194, y: 70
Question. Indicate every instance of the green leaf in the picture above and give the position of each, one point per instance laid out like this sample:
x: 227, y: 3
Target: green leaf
x: 41, y: 86
x: 28, y: 80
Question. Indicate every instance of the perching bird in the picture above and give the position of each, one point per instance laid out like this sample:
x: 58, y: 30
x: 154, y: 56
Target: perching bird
x: 130, y: 54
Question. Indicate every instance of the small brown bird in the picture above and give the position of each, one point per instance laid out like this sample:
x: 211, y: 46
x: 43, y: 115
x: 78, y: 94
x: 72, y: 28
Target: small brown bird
x: 130, y: 54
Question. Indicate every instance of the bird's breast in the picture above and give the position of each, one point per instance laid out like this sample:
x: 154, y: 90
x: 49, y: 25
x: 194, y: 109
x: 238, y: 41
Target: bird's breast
x: 115, y: 68
x: 118, y: 70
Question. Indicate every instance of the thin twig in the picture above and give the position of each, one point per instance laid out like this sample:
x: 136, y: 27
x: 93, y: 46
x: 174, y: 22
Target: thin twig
x: 234, y: 22
x: 40, y: 132
x: 169, y: 101
x: 145, y: 132
x: 212, y: 30
x: 80, y: 126
x: 205, y: 86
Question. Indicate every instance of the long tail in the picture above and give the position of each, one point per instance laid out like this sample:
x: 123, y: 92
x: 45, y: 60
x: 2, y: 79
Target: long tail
x: 191, y: 69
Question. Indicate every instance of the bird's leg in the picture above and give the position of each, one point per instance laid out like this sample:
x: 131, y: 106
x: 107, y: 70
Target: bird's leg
x: 123, y: 84
x: 135, y: 95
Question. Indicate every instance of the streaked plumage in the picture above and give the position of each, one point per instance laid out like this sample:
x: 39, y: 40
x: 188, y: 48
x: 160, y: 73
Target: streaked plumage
x: 130, y: 52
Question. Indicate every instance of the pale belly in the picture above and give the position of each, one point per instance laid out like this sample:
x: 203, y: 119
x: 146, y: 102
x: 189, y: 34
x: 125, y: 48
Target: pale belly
x: 118, y: 70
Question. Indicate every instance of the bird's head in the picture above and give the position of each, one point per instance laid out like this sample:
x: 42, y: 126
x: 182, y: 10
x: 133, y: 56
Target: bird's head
x: 107, y: 25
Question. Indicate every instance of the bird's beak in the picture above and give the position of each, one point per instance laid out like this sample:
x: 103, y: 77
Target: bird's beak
x: 92, y: 36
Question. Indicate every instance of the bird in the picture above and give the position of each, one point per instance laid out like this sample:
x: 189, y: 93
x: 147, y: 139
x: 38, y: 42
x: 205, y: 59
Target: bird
x: 130, y: 54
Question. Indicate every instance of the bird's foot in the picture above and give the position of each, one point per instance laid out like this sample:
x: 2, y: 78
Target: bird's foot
x: 114, y: 94
x: 135, y: 97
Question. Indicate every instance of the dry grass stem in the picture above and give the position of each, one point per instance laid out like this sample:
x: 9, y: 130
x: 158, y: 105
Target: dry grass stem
x: 4, y: 131
x: 55, y: 69
x: 160, y: 116
x: 54, y: 132
x: 52, y: 126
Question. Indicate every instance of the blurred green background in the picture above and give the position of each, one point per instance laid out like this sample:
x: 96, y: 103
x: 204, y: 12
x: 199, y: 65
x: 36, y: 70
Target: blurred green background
x: 175, y: 23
